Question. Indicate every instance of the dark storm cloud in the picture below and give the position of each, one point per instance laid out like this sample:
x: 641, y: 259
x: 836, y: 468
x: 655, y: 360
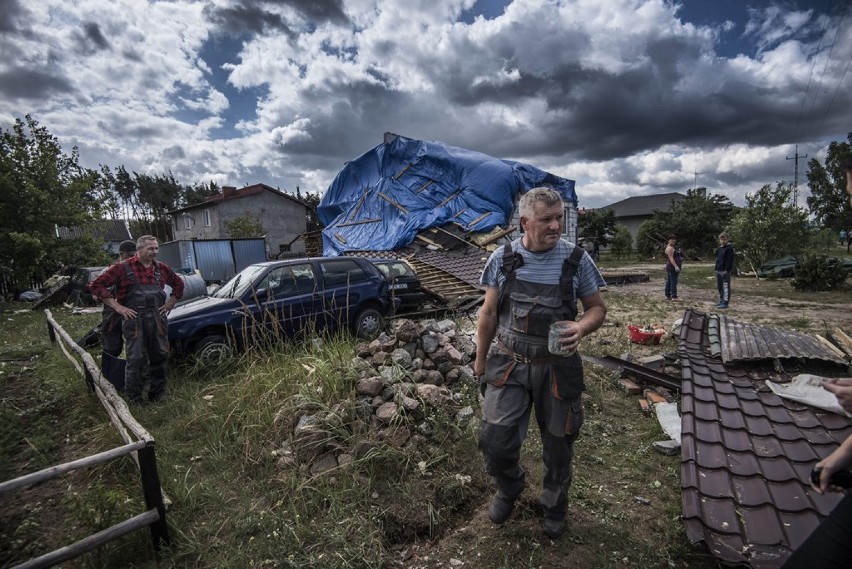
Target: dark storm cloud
x: 93, y: 33
x: 252, y: 16
x: 11, y: 16
x: 32, y: 84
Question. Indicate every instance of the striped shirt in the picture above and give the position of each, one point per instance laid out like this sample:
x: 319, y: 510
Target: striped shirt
x: 545, y: 267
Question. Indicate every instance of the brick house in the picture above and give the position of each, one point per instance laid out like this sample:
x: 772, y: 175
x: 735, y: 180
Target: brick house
x: 283, y: 217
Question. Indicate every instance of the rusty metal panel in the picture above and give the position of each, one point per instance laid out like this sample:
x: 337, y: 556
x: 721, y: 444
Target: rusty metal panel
x: 741, y: 341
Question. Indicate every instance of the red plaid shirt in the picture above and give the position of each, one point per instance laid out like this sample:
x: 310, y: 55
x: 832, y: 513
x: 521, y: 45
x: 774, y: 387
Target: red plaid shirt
x: 116, y: 276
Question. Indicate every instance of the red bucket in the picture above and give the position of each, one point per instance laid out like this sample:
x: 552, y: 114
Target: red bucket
x: 644, y: 335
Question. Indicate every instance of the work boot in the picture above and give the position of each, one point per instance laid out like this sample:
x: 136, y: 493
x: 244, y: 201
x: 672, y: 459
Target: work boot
x: 500, y: 508
x: 722, y: 305
x: 553, y: 528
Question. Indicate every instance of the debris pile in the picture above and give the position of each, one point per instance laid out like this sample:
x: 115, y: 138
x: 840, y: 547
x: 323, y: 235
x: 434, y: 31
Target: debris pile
x: 399, y: 379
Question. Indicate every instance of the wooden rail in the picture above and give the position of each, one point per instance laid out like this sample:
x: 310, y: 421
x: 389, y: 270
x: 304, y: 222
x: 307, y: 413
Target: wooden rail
x: 139, y: 445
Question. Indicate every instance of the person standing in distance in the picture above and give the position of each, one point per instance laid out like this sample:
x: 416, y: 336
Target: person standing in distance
x: 674, y: 262
x: 531, y: 283
x: 724, y: 266
x: 140, y: 299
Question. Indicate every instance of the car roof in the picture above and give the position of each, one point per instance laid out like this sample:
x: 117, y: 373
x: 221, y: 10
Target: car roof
x: 285, y: 262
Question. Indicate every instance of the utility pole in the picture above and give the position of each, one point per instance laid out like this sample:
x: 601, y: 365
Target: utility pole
x: 695, y: 180
x: 796, y: 176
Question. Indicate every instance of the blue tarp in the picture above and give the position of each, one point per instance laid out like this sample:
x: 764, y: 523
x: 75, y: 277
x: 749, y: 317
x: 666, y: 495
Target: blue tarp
x: 381, y: 200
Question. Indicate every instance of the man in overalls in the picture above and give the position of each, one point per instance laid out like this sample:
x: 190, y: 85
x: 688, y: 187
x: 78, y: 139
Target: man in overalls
x: 530, y: 284
x: 140, y: 299
x: 111, y: 339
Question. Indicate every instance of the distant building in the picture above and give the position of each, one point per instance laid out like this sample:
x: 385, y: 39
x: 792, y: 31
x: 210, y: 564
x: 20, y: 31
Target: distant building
x: 283, y: 217
x: 111, y: 231
x: 635, y: 210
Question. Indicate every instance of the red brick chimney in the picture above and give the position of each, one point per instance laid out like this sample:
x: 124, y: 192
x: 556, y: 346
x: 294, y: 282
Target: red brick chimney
x: 228, y: 191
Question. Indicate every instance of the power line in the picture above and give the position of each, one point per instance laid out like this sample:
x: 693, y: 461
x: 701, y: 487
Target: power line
x: 796, y: 176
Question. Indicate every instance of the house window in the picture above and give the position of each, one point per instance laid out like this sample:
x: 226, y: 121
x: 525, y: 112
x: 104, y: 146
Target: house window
x: 187, y: 222
x: 206, y: 218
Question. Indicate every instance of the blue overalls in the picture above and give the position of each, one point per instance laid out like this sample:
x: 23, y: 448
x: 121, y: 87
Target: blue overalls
x: 520, y: 373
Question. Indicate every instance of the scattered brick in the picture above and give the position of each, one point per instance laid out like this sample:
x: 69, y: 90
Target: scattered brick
x: 629, y: 386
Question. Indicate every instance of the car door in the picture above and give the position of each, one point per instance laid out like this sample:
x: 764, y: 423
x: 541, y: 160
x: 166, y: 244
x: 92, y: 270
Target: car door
x: 289, y: 299
x: 343, y: 287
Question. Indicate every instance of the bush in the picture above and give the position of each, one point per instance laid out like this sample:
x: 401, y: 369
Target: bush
x: 819, y: 272
x: 622, y: 243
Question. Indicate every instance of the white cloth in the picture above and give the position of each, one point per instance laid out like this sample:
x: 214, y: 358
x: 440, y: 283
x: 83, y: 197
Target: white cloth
x: 806, y: 388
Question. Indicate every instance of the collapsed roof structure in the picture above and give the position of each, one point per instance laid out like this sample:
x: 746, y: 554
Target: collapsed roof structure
x: 381, y: 200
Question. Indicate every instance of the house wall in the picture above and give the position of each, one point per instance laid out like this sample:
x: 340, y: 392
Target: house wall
x: 282, y: 219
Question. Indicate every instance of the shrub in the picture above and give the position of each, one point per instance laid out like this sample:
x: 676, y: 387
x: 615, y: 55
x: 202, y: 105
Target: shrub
x: 622, y: 243
x: 819, y: 272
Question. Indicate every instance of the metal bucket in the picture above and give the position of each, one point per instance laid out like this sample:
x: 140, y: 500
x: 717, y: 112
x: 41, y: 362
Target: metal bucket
x: 193, y: 287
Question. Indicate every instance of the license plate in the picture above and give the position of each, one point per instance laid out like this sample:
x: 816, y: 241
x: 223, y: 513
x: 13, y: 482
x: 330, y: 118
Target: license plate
x: 399, y: 286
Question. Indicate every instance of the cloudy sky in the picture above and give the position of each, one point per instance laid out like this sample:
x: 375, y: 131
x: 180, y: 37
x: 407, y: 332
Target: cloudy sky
x: 627, y: 97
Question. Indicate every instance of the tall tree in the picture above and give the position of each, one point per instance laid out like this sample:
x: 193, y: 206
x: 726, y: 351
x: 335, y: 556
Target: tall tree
x: 770, y: 226
x: 598, y: 224
x: 697, y: 221
x: 828, y: 201
x: 40, y: 187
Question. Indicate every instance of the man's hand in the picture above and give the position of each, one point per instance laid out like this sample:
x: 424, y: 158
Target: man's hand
x: 126, y: 313
x: 168, y: 306
x: 842, y: 389
x: 677, y: 269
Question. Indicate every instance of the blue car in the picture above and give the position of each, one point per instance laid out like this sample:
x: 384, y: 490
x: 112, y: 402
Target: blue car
x: 282, y: 299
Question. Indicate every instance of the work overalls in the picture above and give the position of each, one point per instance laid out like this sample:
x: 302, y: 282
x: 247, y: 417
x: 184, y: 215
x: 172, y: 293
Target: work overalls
x: 521, y: 373
x: 145, y: 337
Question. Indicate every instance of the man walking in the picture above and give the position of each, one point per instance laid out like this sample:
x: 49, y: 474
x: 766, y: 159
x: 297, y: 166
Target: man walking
x: 140, y: 300
x: 531, y: 283
x: 724, y: 266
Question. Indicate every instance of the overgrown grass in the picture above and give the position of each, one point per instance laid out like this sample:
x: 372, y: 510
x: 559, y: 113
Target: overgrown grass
x: 238, y: 500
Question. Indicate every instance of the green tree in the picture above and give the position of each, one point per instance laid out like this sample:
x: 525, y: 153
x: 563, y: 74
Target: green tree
x: 697, y: 221
x: 598, y: 224
x: 41, y: 187
x: 311, y: 200
x: 244, y: 226
x: 770, y: 226
x: 828, y: 202
x: 622, y: 242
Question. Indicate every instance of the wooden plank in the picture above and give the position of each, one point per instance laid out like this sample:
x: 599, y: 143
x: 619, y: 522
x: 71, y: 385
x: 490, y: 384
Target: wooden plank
x: 393, y: 203
x: 93, y: 541
x: 478, y: 219
x: 497, y: 236
x: 843, y: 340
x: 401, y: 172
x: 358, y: 205
x: 450, y: 198
x: 340, y: 238
x: 361, y: 222
x: 429, y: 242
x: 424, y: 186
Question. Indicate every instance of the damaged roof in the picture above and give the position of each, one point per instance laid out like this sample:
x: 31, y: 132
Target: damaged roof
x: 742, y: 341
x: 746, y: 457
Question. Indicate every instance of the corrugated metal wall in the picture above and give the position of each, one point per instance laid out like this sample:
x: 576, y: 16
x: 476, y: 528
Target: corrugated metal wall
x: 215, y: 259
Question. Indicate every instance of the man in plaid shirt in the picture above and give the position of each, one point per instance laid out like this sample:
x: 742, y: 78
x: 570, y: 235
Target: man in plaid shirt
x: 140, y: 300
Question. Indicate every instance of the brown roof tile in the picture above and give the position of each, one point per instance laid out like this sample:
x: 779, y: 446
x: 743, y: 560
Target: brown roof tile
x: 746, y: 455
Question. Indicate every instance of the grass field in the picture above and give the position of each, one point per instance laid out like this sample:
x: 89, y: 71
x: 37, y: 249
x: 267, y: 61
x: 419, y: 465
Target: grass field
x: 235, y: 503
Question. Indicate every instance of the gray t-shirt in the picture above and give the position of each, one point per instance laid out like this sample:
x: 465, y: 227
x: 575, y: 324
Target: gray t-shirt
x: 545, y: 267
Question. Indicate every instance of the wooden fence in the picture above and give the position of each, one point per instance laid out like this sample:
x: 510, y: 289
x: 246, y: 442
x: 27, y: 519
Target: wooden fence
x: 139, y: 445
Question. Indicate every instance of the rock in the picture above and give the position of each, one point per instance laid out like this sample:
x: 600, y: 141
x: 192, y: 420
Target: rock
x: 286, y: 462
x: 408, y: 331
x: 445, y: 367
x: 420, y: 354
x: 377, y: 401
x: 430, y: 343
x: 388, y: 393
x: 369, y: 387
x: 362, y: 350
x: 440, y: 355
x: 434, y: 377
x: 454, y: 355
x: 396, y: 436
x: 452, y: 376
x: 445, y: 326
x: 401, y: 357
x: 416, y: 364
x: 433, y: 394
x: 411, y: 348
x: 390, y: 374
x: 425, y: 428
x: 387, y: 412
x: 668, y: 448
x: 464, y: 415
x: 379, y: 358
x: 323, y: 464
x: 419, y: 376
x: 410, y: 405
x: 308, y: 438
x: 428, y: 364
x: 345, y: 459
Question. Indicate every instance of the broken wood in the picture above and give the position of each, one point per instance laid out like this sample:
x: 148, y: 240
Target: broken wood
x: 361, y: 222
x: 393, y: 203
x: 424, y: 186
x: 478, y: 219
x: 497, y: 236
x: 643, y: 373
x: 843, y: 341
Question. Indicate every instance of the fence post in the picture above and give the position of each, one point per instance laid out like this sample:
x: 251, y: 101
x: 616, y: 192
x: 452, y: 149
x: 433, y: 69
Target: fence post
x: 153, y: 494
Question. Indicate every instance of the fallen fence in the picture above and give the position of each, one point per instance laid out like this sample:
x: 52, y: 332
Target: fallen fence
x: 139, y: 445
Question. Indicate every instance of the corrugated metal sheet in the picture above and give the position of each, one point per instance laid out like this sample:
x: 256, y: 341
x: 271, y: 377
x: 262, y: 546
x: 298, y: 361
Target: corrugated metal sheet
x: 248, y: 252
x: 214, y: 259
x: 741, y: 341
x: 746, y: 456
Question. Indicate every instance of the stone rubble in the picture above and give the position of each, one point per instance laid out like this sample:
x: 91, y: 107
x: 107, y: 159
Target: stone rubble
x: 398, y: 378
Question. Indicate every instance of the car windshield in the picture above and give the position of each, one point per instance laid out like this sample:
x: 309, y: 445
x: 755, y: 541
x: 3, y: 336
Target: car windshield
x: 395, y: 269
x: 240, y: 283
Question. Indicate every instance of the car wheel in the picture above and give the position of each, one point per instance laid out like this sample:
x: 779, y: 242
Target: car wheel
x: 213, y: 350
x: 368, y: 323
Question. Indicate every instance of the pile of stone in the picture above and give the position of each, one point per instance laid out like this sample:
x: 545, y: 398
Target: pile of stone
x: 399, y: 376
